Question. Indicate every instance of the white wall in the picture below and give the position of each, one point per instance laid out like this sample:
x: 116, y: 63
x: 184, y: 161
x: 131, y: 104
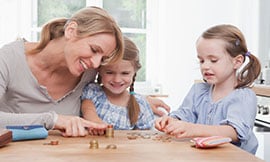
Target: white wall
x: 13, y: 22
x: 180, y: 23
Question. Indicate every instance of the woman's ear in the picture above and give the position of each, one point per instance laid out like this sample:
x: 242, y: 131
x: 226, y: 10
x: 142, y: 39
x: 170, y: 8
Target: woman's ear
x: 238, y: 61
x: 71, y: 30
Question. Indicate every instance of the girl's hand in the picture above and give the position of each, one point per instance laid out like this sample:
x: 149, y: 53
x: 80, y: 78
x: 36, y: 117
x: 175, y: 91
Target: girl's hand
x: 162, y: 122
x: 74, y: 126
x: 180, y: 129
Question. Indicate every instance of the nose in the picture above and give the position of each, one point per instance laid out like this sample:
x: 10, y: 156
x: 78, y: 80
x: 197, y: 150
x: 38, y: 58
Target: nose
x: 117, y: 78
x: 205, y: 65
x: 96, y: 60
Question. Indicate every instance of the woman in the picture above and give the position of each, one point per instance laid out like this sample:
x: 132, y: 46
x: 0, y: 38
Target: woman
x: 41, y: 80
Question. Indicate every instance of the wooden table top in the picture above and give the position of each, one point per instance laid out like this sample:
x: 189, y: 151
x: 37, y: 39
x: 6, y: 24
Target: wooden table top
x: 136, y: 150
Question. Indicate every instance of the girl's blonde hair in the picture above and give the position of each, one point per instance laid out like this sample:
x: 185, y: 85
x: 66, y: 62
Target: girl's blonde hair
x: 131, y: 53
x: 91, y: 20
x: 236, y: 45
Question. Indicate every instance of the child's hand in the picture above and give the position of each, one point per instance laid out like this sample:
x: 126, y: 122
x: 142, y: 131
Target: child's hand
x: 162, y: 122
x: 180, y: 129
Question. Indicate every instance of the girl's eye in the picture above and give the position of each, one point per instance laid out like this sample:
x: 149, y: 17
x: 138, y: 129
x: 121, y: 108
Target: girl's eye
x: 201, y: 61
x: 214, y: 61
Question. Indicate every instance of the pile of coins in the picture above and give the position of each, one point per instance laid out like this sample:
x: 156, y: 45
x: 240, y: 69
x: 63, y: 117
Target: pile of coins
x: 109, y: 131
x: 93, y: 144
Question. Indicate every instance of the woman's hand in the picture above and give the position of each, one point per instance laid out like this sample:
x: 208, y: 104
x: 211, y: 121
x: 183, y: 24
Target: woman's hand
x: 156, y: 104
x: 74, y: 126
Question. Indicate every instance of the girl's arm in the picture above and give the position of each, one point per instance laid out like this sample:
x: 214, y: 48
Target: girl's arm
x: 89, y: 111
x: 182, y: 129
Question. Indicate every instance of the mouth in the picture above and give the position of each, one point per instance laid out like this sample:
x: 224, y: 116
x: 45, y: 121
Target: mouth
x: 83, y: 65
x: 206, y: 75
x: 117, y: 85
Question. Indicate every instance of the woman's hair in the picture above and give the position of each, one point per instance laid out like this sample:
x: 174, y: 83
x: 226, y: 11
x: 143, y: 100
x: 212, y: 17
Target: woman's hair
x: 131, y: 53
x: 236, y: 45
x: 91, y: 20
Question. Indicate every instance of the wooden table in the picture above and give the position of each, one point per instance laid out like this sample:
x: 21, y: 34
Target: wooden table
x: 136, y: 150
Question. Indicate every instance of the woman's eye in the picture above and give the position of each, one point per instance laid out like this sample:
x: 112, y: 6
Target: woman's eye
x: 109, y: 72
x: 214, y: 61
x: 93, y: 50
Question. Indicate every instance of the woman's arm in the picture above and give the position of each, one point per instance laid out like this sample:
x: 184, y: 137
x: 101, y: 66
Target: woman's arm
x: 47, y: 119
x: 155, y: 104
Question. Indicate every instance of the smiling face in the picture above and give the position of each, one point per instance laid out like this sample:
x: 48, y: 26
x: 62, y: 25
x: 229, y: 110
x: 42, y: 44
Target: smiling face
x: 86, y: 53
x: 116, y: 78
x: 216, y: 65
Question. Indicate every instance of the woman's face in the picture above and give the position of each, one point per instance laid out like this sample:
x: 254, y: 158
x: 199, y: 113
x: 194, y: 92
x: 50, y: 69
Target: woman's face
x: 86, y: 53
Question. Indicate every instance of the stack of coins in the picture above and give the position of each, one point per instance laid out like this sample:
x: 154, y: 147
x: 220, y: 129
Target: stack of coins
x: 93, y: 144
x: 109, y: 131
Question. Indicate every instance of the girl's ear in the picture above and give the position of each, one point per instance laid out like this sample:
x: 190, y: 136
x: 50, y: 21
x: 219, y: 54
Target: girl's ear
x: 238, y: 61
x: 71, y: 29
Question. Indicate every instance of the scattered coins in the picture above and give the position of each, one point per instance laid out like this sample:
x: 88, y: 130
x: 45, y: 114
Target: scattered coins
x: 131, y: 137
x: 52, y: 143
x: 162, y: 138
x: 154, y: 136
x: 93, y: 144
x: 146, y: 136
x: 111, y: 146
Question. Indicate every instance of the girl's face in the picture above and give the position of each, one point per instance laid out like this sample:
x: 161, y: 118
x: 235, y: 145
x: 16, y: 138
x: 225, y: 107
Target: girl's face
x: 86, y: 53
x: 216, y: 65
x: 117, y: 77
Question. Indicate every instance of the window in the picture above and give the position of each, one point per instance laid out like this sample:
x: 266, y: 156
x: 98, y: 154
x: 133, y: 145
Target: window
x: 130, y: 15
x: 45, y: 10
